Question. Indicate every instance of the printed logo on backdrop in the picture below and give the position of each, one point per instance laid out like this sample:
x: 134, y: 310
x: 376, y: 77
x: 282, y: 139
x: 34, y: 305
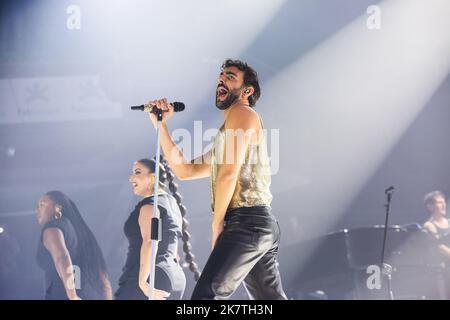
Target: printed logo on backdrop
x: 55, y: 99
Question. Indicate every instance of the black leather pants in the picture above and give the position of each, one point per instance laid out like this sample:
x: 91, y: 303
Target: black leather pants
x: 245, y: 251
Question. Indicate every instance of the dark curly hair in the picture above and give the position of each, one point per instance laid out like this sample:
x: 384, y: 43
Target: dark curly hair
x: 250, y: 78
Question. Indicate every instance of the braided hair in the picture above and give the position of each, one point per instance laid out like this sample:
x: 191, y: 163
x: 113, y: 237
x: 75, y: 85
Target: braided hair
x: 167, y: 176
x: 89, y: 256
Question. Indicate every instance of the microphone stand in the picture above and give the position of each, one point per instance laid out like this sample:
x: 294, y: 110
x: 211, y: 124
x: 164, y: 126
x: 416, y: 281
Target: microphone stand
x: 156, y: 223
x: 386, y: 269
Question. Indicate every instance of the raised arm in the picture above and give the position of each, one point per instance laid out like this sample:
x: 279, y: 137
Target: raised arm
x: 183, y: 169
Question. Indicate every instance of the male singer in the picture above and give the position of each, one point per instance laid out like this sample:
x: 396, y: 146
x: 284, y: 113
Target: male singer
x: 244, y: 233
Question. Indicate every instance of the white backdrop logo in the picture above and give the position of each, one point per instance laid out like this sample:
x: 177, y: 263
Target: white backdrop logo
x: 374, y: 280
x: 73, y: 21
x: 374, y: 20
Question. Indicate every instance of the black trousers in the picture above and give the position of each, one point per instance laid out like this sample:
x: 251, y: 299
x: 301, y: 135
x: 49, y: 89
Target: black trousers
x: 246, y: 251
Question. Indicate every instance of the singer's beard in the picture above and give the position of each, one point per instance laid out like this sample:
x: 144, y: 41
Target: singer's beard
x: 233, y: 95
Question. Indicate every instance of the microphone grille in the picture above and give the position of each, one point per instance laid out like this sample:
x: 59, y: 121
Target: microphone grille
x: 178, y: 106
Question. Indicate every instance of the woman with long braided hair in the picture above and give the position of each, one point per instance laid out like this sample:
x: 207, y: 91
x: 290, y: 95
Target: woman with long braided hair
x: 187, y: 248
x: 68, y: 252
x: 170, y: 280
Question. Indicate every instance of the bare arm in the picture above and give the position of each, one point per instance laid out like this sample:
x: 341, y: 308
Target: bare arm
x: 239, y: 126
x: 445, y: 251
x: 106, y: 286
x: 183, y: 169
x: 53, y: 239
x: 145, y: 224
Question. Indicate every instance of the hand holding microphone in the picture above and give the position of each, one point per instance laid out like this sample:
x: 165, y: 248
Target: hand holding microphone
x: 154, y: 106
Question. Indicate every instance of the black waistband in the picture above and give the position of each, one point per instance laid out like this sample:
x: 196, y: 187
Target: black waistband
x: 258, y: 211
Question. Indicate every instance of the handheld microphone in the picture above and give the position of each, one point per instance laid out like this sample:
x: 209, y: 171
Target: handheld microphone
x: 389, y: 190
x: 150, y: 108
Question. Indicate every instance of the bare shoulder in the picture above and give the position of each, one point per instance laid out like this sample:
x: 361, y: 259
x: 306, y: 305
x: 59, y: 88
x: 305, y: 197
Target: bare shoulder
x: 145, y: 211
x: 243, y: 111
x: 244, y: 117
x: 430, y: 227
x: 53, y: 233
x: 53, y: 239
x: 145, y: 219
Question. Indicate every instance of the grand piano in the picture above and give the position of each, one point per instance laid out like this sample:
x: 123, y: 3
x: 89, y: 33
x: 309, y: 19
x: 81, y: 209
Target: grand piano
x: 335, y: 266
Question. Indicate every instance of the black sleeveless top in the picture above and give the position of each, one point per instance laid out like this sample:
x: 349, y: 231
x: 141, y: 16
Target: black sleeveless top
x: 442, y: 233
x: 54, y: 288
x: 171, y: 221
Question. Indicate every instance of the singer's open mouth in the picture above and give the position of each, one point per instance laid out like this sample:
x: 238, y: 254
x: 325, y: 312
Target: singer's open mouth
x: 221, y: 92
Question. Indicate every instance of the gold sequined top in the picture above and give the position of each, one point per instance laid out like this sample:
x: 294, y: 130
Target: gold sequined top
x: 253, y: 183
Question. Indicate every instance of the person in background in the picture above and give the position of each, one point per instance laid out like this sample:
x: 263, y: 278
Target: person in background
x: 438, y: 225
x: 68, y: 252
x: 170, y: 280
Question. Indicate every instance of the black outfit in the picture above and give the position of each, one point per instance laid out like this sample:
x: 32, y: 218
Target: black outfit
x: 245, y: 251
x: 443, y: 237
x: 169, y: 275
x: 54, y: 288
x: 442, y: 233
